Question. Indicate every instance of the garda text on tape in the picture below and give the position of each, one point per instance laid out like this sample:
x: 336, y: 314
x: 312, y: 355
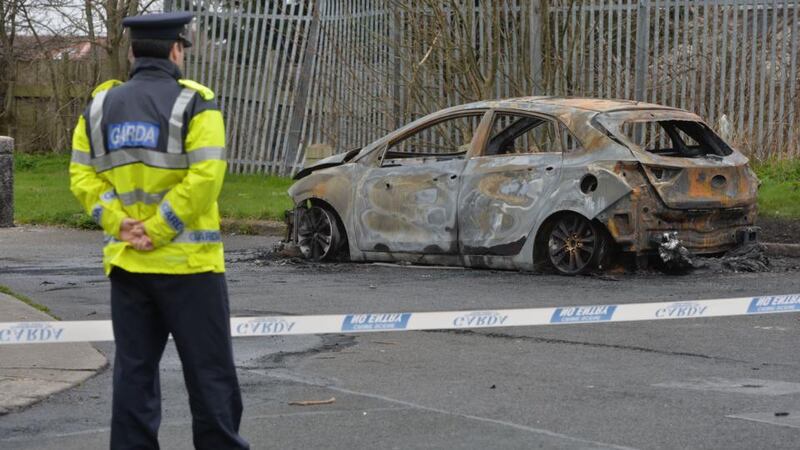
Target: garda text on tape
x: 100, y: 330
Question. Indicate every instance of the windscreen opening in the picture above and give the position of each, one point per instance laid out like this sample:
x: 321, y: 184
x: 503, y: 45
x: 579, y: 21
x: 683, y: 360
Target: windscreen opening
x: 676, y: 138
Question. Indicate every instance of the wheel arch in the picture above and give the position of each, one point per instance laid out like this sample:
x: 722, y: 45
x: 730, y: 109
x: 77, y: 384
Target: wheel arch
x: 316, y: 201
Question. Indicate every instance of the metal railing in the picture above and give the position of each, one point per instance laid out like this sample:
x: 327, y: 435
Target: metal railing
x: 345, y: 72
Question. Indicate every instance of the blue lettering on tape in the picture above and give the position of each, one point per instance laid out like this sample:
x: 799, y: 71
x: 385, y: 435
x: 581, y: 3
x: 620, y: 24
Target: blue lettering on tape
x: 132, y: 135
x: 265, y: 327
x: 31, y: 332
x: 601, y: 313
x: 480, y: 319
x: 363, y: 322
x: 681, y: 310
x: 774, y: 304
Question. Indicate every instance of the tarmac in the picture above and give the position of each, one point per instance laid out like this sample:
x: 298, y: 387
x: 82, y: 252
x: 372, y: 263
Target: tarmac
x: 29, y: 375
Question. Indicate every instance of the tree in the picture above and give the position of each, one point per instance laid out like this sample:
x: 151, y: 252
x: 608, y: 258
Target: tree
x: 8, y: 63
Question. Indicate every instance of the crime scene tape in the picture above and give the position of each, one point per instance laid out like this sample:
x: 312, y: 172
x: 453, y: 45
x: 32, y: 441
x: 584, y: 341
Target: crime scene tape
x: 100, y: 330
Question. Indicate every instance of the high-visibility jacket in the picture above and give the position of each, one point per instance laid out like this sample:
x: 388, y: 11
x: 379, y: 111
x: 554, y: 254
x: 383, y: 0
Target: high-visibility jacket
x: 153, y: 149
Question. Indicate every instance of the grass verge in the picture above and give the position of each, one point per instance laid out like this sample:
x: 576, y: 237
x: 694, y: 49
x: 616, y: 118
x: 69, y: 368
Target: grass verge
x: 779, y: 194
x: 42, y: 195
x: 27, y: 301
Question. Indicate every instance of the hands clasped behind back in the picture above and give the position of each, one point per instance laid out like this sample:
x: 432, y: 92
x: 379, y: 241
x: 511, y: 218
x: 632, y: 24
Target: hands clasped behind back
x: 132, y: 231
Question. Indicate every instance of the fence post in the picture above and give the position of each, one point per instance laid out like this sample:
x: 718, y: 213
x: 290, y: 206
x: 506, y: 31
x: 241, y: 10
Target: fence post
x: 395, y: 41
x: 6, y: 182
x: 642, y: 49
x: 536, y: 48
x: 301, y: 97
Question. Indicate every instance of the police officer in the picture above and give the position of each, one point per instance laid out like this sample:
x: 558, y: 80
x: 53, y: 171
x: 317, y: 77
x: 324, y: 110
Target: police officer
x: 148, y: 162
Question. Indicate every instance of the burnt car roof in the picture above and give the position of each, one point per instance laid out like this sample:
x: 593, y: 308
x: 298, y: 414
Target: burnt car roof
x: 567, y: 103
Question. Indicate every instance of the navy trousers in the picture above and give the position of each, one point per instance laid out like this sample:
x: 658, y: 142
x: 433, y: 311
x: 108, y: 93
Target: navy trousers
x: 145, y: 309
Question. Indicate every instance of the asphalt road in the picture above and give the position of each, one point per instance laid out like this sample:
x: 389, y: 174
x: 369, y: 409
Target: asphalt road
x: 699, y: 383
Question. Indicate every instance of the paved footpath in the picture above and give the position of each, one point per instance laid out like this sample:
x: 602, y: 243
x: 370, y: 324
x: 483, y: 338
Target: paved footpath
x: 29, y: 373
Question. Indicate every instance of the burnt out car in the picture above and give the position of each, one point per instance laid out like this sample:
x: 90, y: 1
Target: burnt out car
x: 528, y: 183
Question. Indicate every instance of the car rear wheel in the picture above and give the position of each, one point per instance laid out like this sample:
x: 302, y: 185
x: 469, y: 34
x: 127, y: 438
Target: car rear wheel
x: 574, y: 244
x: 318, y: 234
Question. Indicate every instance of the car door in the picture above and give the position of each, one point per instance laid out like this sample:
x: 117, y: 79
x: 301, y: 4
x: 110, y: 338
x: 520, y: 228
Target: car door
x: 505, y: 183
x: 407, y: 201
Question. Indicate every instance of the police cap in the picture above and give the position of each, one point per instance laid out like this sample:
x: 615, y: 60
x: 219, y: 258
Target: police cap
x: 163, y: 26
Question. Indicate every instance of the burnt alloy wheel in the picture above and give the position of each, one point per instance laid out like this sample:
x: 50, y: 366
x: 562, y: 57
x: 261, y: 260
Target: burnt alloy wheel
x: 574, y: 244
x: 318, y: 234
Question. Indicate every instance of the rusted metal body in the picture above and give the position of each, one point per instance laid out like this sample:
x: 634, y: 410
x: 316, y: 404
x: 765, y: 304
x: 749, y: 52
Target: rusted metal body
x: 487, y: 210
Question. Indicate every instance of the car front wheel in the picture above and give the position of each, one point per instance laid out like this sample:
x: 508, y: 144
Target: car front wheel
x: 318, y: 235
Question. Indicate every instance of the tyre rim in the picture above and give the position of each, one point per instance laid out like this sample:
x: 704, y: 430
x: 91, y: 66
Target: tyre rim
x: 315, y: 233
x: 572, y: 244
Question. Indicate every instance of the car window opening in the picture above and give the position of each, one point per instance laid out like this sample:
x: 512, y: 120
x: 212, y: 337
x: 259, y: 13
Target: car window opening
x: 442, y: 141
x: 516, y: 134
x: 676, y: 138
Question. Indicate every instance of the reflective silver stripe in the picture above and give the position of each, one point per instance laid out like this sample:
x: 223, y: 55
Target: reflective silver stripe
x: 198, y: 237
x: 169, y: 215
x: 149, y: 157
x: 187, y: 237
x: 206, y: 153
x: 81, y: 157
x: 175, y: 142
x: 97, y: 213
x: 108, y: 196
x: 96, y: 121
x: 146, y: 156
x: 140, y: 196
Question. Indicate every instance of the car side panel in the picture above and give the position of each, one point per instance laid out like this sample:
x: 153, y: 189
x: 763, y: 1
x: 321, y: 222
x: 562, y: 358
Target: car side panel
x: 499, y: 198
x: 409, y: 208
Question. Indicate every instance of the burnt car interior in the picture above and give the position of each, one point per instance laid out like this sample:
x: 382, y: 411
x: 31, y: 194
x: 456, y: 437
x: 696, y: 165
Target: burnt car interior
x: 522, y: 134
x: 676, y: 138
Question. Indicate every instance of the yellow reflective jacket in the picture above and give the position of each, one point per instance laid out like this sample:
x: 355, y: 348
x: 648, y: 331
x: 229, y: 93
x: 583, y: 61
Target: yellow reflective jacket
x: 153, y: 149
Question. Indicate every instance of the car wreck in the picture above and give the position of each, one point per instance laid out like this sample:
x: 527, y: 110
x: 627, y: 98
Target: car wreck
x: 527, y: 184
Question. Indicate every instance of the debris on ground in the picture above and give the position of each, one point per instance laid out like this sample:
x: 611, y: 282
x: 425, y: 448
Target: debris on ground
x: 286, y: 250
x: 313, y: 402
x: 281, y: 253
x: 747, y: 258
x: 675, y: 257
x: 750, y: 258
